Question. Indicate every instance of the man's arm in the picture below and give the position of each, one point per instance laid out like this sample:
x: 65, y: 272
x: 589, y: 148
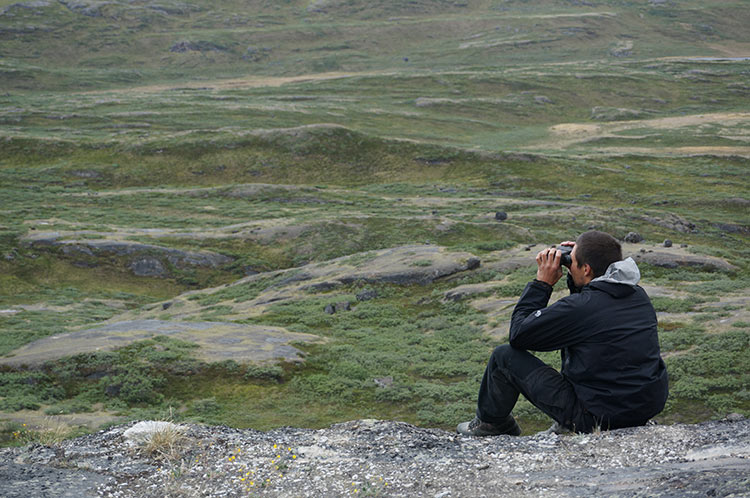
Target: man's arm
x: 539, y: 327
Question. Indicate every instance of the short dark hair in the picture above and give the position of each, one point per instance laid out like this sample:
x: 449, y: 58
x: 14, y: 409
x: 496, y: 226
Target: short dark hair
x: 598, y: 250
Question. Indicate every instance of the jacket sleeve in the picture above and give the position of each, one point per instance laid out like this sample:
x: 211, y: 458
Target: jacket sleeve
x: 538, y: 327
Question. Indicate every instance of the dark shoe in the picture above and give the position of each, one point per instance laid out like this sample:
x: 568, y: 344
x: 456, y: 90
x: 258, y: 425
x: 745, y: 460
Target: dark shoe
x: 478, y: 428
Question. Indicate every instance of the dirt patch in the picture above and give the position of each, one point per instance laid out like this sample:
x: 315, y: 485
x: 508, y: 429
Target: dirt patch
x: 575, y: 129
x: 679, y: 151
x: 246, y: 82
x: 565, y: 135
x: 730, y: 48
x: 35, y: 420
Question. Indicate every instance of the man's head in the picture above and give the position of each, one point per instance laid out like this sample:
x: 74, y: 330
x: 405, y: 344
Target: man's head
x: 593, y: 253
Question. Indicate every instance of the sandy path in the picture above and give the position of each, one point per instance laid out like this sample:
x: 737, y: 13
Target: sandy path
x: 566, y: 135
x: 244, y: 82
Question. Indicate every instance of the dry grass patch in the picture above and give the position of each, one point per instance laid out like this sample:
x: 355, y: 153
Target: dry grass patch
x: 160, y: 440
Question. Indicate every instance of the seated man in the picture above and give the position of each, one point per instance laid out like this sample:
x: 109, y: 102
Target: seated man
x: 612, y: 373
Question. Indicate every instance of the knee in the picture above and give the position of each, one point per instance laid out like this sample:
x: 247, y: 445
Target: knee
x: 502, y: 354
x: 506, y: 354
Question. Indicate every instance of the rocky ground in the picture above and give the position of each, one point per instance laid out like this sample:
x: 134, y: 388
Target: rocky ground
x: 383, y: 458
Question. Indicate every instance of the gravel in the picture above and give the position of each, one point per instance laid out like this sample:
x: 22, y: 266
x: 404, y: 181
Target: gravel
x: 386, y: 458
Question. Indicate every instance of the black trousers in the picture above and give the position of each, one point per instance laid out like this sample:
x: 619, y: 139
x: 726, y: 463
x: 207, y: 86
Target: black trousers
x: 511, y: 371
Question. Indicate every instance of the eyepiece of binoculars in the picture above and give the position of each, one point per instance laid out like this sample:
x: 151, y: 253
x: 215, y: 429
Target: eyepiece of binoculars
x: 565, y: 256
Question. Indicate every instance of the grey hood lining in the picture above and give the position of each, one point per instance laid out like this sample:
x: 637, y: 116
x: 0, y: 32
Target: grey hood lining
x: 621, y: 272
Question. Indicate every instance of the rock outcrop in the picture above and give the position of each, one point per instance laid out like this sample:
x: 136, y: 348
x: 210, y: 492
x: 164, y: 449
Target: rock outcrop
x: 385, y: 458
x: 184, y: 316
x: 217, y: 341
x: 145, y: 260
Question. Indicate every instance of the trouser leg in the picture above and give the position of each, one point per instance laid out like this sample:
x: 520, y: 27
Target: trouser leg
x: 511, y: 372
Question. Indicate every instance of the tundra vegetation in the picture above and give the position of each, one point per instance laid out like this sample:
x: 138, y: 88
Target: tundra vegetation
x: 282, y: 135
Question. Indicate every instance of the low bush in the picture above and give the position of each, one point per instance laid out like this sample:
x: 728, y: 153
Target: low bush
x: 273, y: 372
x: 675, y: 305
x: 680, y: 337
x: 17, y: 403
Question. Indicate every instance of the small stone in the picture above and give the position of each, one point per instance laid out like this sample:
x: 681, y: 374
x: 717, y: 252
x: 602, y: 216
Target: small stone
x: 501, y: 216
x: 473, y: 263
x: 383, y: 381
x: 330, y: 309
x: 667, y: 243
x: 633, y: 237
x: 342, y: 306
x: 367, y: 295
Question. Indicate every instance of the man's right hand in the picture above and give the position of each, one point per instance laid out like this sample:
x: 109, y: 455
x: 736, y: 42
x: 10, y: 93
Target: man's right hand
x: 548, y: 270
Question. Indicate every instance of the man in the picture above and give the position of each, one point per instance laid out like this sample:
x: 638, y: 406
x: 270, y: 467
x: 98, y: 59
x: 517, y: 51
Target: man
x: 612, y: 373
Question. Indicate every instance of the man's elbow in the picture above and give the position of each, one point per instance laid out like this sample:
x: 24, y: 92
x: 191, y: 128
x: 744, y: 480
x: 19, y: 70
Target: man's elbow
x: 516, y: 341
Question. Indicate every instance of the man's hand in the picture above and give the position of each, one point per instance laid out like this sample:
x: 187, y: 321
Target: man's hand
x: 549, y: 270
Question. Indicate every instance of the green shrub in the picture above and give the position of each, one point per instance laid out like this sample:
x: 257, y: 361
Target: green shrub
x: 273, y: 372
x: 69, y: 406
x: 16, y: 403
x: 432, y: 413
x: 27, y: 388
x: 722, y: 404
x: 496, y: 245
x: 690, y: 387
x: 509, y: 290
x: 680, y: 338
x: 719, y: 287
x: 133, y: 387
x: 394, y: 394
x: 205, y: 407
x: 675, y: 305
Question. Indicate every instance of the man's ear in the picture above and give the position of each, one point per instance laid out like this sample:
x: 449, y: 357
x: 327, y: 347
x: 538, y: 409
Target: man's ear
x: 587, y: 271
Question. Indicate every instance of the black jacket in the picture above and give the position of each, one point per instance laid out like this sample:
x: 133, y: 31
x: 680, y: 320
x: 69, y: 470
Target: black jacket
x: 608, y: 340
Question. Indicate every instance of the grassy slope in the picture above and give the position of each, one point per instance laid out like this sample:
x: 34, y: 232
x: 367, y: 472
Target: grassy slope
x: 116, y: 44
x: 96, y: 103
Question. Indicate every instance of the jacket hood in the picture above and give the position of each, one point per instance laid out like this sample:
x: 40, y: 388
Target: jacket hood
x: 621, y: 272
